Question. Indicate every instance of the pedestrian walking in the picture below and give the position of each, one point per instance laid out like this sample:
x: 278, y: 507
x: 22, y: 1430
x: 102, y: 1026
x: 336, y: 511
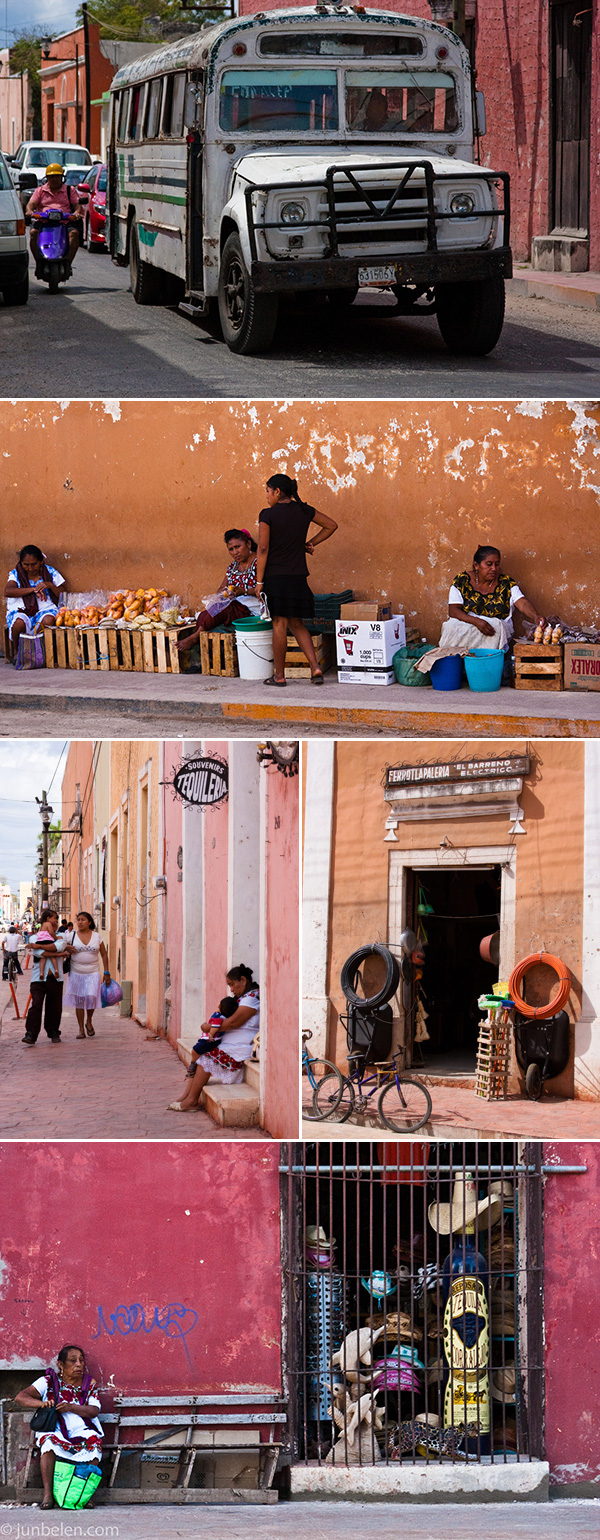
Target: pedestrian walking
x: 282, y: 571
x: 83, y: 981
x: 46, y: 980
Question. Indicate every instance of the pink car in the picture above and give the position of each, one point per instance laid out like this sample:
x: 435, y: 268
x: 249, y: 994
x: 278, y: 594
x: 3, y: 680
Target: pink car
x: 92, y: 196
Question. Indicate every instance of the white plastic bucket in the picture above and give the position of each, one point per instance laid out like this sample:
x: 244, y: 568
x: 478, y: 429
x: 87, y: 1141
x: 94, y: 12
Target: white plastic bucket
x: 255, y: 653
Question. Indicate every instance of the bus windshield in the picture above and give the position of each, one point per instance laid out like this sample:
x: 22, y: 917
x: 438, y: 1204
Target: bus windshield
x: 277, y: 101
x: 409, y: 102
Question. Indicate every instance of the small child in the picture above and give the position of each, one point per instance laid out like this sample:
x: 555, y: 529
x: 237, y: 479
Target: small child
x: 227, y: 1007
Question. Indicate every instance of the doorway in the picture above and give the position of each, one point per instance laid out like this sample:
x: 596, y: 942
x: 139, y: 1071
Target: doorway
x: 571, y: 115
x: 451, y: 910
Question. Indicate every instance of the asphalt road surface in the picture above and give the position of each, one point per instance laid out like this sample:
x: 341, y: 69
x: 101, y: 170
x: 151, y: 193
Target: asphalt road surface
x: 93, y: 340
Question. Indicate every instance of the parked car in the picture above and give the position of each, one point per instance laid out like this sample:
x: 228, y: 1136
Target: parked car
x: 92, y: 196
x: 14, y: 257
x: 28, y: 169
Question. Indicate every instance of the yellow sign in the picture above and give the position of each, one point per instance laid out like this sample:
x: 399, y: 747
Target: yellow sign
x: 467, y: 1394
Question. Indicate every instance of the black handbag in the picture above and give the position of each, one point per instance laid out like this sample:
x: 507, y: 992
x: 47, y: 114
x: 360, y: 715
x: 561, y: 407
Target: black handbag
x: 46, y: 1420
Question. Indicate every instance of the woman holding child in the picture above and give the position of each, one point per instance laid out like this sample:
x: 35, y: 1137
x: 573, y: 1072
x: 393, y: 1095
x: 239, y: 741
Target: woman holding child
x: 226, y: 1039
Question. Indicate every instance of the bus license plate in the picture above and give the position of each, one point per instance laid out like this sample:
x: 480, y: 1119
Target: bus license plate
x: 377, y: 274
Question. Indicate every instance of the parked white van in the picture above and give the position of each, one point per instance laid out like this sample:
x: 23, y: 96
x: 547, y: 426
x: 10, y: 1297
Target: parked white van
x: 14, y: 256
x: 312, y: 149
x: 28, y: 168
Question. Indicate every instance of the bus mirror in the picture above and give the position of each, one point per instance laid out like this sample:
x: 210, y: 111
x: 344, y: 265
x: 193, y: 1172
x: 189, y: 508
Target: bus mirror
x: 480, y: 110
x: 190, y: 106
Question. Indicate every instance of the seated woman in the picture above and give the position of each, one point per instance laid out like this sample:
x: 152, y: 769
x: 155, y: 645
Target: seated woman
x: 480, y: 609
x: 237, y: 588
x: 74, y: 1395
x: 32, y: 594
x: 236, y: 1033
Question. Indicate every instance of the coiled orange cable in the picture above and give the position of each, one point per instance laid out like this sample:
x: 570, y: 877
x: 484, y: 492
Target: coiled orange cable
x: 560, y: 1000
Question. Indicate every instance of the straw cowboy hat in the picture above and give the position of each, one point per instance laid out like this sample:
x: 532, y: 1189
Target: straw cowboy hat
x: 314, y: 1236
x: 503, y: 1384
x: 504, y: 1190
x: 464, y: 1208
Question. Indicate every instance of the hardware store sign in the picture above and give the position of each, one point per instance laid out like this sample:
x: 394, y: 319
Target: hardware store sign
x: 458, y: 770
x: 202, y: 782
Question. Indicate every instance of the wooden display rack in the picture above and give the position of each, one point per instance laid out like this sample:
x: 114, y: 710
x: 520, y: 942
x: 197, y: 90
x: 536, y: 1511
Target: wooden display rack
x: 296, y: 665
x: 218, y: 654
x: 111, y: 648
x: 493, y: 1051
x: 538, y: 667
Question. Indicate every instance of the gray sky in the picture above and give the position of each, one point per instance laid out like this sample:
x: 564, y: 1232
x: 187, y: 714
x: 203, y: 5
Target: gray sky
x: 20, y: 15
x: 26, y: 768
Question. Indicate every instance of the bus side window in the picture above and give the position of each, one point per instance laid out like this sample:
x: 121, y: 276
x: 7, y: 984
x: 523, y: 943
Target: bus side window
x: 152, y: 114
x: 179, y: 86
x: 167, y: 106
x: 135, y: 120
x: 124, y: 100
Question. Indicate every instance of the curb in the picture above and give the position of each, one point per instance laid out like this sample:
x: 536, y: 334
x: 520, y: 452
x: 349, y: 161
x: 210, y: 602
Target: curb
x: 559, y: 293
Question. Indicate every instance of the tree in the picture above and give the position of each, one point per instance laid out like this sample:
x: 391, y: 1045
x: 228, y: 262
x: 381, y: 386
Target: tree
x: 26, y: 54
x: 152, y: 20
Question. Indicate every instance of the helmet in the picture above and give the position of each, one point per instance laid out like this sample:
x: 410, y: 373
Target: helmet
x: 55, y: 171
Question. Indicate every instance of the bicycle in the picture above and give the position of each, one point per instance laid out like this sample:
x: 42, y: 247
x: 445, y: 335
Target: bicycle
x: 12, y: 972
x: 403, y: 1104
x: 314, y: 1070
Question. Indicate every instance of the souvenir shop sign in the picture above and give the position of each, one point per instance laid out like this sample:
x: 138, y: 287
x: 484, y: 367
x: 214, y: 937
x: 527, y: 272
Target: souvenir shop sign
x: 202, y: 781
x: 457, y: 770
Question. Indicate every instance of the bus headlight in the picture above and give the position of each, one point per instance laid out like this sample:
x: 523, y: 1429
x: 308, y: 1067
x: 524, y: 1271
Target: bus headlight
x: 293, y: 214
x: 462, y: 203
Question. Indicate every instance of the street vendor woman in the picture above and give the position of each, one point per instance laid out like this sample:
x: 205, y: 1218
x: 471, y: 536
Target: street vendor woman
x: 72, y: 1392
x: 235, y: 598
x: 32, y: 593
x: 483, y: 594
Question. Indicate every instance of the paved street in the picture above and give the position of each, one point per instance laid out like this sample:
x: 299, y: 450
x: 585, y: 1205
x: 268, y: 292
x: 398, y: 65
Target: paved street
x: 317, y: 1521
x: 458, y: 1111
x: 114, y: 1086
x: 33, y: 704
x: 93, y: 340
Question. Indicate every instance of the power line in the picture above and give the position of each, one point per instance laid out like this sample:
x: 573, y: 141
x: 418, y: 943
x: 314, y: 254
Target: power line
x: 59, y: 760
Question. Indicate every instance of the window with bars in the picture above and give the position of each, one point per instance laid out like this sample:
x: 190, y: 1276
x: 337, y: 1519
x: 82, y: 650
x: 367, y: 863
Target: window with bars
x: 414, y: 1302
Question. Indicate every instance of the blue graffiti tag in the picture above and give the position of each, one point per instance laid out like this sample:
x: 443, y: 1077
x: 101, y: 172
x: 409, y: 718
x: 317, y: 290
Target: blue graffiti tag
x: 174, y: 1320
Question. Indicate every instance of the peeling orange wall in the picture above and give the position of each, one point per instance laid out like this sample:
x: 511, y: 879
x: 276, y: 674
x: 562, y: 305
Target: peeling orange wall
x: 549, y: 870
x: 143, y: 491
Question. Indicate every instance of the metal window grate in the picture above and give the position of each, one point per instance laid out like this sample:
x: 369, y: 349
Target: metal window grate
x: 361, y: 1255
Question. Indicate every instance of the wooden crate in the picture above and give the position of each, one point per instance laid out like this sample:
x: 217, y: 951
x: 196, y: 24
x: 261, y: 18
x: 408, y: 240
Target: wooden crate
x: 538, y: 667
x: 218, y: 653
x: 297, y: 666
x: 113, y: 649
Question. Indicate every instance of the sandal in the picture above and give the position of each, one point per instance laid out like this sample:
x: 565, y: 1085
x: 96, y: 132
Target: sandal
x: 80, y: 1038
x: 316, y: 678
x: 47, y: 1503
x: 174, y: 1107
x: 90, y: 1031
x: 279, y: 683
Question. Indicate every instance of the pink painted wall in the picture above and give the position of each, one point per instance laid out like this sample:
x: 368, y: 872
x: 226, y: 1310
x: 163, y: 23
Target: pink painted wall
x: 216, y: 853
x: 172, y: 820
x: 104, y: 1228
x: 572, y: 1318
x: 282, y: 980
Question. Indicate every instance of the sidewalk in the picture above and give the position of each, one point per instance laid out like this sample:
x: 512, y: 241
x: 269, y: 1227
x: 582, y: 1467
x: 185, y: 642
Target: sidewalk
x: 458, y: 1113
x: 317, y: 1521
x: 116, y: 1085
x: 581, y: 289
x: 152, y: 701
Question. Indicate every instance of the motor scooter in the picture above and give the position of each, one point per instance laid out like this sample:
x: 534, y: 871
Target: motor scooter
x: 53, y: 247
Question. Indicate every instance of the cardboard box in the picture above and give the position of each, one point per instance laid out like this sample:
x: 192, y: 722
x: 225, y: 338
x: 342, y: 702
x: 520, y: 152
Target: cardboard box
x: 367, y: 644
x: 366, y: 609
x: 582, y: 666
x: 159, y: 1470
x: 366, y: 676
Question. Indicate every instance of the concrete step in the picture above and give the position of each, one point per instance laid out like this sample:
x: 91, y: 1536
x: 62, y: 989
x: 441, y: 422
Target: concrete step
x: 231, y: 1106
x: 252, y: 1074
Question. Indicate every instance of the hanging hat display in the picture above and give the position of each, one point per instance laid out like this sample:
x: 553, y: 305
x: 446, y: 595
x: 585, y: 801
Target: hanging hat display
x: 503, y: 1384
x: 465, y: 1207
x: 379, y: 1285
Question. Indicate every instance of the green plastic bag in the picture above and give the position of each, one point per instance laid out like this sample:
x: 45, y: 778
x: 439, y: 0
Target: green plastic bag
x: 404, y: 660
x: 74, y: 1485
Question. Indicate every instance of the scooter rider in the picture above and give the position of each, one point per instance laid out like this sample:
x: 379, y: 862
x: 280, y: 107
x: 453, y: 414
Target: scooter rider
x: 54, y: 193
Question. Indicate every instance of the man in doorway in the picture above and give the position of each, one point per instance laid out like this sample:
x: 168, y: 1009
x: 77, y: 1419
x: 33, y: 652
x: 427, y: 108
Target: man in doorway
x: 46, y: 980
x: 10, y: 947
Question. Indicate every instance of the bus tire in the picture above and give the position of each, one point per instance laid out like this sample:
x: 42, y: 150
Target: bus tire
x: 471, y: 315
x: 248, y: 319
x: 142, y: 277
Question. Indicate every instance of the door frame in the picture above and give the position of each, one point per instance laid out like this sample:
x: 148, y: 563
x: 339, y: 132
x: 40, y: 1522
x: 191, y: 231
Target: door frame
x: 401, y: 865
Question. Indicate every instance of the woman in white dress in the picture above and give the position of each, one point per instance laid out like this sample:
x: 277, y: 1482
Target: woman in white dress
x: 225, y: 1062
x: 78, y: 1434
x: 83, y: 980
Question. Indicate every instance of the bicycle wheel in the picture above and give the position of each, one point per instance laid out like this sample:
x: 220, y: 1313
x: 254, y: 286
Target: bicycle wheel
x: 313, y: 1076
x: 404, y: 1104
x: 343, y: 1106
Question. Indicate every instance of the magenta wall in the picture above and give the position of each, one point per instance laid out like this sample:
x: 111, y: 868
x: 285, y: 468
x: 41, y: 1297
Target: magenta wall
x: 572, y: 1316
x: 282, y: 981
x: 172, y: 816
x: 94, y: 1234
x: 216, y: 849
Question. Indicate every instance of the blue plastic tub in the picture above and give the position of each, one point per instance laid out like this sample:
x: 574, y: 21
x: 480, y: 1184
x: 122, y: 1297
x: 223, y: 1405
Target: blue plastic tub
x: 484, y: 668
x: 446, y: 674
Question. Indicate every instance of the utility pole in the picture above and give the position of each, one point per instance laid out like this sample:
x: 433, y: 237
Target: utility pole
x: 86, y: 58
x: 45, y: 814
